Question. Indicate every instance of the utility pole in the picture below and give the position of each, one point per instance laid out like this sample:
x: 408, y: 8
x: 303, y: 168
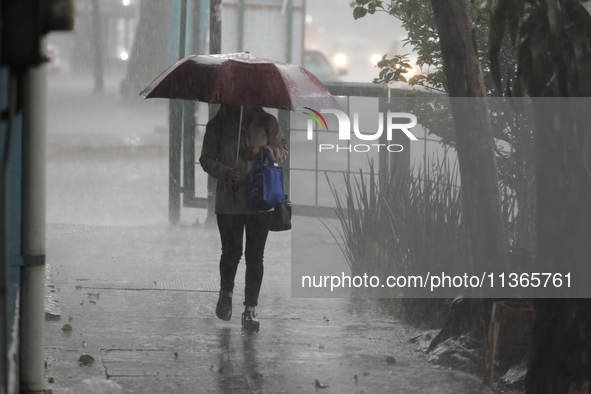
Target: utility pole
x: 24, y: 25
x: 33, y: 230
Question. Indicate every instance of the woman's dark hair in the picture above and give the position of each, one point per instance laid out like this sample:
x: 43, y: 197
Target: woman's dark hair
x: 229, y: 113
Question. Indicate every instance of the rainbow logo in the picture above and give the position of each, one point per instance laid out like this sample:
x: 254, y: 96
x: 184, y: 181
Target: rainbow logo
x: 317, y: 117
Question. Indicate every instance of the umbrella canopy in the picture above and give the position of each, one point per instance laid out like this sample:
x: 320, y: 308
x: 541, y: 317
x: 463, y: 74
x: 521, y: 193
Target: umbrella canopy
x: 241, y: 79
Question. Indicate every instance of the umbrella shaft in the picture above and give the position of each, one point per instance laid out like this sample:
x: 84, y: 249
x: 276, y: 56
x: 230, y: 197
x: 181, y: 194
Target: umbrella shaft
x: 239, y: 131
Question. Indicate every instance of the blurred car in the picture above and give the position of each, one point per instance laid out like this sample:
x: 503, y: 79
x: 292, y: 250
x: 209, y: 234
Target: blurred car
x: 359, y: 55
x: 318, y: 64
x: 54, y: 64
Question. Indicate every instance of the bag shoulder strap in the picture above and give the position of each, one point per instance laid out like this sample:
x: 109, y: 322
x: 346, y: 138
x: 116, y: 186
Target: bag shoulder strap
x: 266, y: 156
x: 267, y: 127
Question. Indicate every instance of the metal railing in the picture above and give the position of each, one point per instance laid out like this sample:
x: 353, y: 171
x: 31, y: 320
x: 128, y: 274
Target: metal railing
x: 386, y: 165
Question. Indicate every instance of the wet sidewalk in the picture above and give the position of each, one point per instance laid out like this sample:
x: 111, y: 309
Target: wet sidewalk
x: 140, y: 295
x: 140, y: 301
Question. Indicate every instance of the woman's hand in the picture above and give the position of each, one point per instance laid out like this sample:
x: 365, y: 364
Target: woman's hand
x: 233, y: 176
x: 250, y: 152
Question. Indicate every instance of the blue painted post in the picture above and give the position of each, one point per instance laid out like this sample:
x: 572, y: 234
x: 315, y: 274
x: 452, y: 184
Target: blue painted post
x: 10, y: 226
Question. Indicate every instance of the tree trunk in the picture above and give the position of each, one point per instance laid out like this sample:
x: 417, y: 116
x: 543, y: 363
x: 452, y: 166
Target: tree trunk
x: 560, y: 361
x: 481, y: 205
x: 525, y: 188
x: 149, y: 56
x: 97, y: 47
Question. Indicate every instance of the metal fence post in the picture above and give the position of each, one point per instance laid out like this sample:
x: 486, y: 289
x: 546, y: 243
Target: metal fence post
x: 215, y: 46
x: 383, y: 155
x: 188, y: 152
x: 289, y: 31
x: 240, y: 25
x: 188, y: 188
x: 284, y: 120
x: 174, y: 161
x: 176, y: 136
x: 399, y: 162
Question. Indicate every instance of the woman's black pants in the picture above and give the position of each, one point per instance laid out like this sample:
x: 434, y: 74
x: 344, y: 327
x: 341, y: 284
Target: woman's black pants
x: 231, y: 233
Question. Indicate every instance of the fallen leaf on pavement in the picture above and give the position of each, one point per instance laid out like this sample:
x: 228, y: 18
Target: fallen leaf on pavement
x: 319, y: 385
x: 86, y: 360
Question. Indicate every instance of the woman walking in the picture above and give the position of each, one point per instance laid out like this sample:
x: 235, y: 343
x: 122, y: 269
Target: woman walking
x: 222, y: 159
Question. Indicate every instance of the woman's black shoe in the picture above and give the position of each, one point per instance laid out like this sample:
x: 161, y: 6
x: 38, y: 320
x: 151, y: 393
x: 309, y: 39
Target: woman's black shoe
x: 250, y: 322
x: 223, y: 310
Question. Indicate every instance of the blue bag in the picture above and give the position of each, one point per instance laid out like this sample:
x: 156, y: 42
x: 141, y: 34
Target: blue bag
x: 264, y: 184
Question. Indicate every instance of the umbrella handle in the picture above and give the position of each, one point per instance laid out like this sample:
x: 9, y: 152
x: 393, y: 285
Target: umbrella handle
x: 234, y: 190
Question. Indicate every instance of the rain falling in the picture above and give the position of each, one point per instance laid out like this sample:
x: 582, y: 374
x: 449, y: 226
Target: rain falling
x: 428, y: 229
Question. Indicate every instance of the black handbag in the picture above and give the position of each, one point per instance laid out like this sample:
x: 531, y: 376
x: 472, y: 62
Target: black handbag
x: 281, y: 220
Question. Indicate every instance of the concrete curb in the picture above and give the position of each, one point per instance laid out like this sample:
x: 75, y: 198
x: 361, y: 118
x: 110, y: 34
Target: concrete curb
x: 52, y: 307
x: 55, y: 152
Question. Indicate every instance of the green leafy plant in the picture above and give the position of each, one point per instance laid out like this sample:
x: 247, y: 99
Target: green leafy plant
x: 551, y: 40
x: 393, y: 69
x: 398, y: 220
x: 499, y: 31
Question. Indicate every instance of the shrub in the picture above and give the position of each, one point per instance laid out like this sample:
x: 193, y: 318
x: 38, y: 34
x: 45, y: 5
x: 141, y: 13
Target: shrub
x: 401, y: 227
